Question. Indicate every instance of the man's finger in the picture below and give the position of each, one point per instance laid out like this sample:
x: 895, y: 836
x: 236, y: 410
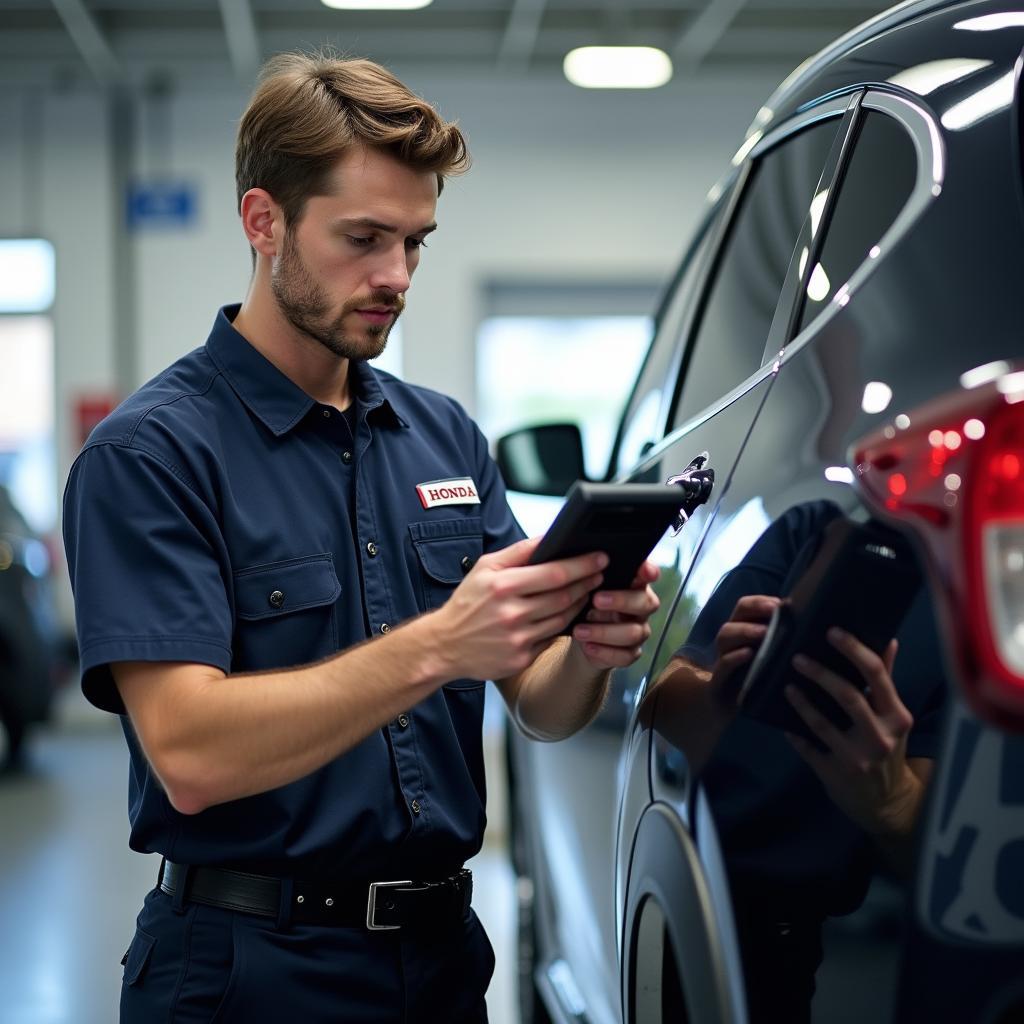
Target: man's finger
x: 514, y: 555
x: 847, y: 696
x: 754, y: 608
x: 739, y: 634
x: 647, y: 573
x: 871, y: 667
x: 613, y: 634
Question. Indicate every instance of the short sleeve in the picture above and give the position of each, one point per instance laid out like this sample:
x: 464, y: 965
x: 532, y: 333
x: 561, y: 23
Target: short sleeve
x: 148, y: 567
x: 500, y: 525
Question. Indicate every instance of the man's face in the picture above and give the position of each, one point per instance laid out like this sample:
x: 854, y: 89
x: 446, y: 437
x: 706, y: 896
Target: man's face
x: 343, y: 269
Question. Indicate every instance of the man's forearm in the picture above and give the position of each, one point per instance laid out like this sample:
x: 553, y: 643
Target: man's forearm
x: 217, y: 738
x: 896, y: 841
x: 558, y: 694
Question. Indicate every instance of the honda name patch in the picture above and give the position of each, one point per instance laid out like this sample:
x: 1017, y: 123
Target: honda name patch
x: 457, y: 491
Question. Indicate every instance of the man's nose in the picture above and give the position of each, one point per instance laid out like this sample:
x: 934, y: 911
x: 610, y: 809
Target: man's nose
x: 392, y: 272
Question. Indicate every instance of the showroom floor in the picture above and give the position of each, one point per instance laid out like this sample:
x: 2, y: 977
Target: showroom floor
x: 70, y: 887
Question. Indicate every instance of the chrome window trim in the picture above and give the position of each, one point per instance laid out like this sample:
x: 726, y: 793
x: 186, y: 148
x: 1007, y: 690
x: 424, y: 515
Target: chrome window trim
x: 930, y: 149
x: 835, y: 106
x: 768, y: 370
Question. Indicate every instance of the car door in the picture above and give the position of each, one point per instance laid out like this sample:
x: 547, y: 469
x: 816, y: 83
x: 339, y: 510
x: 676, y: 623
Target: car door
x: 775, y: 834
x: 723, y: 325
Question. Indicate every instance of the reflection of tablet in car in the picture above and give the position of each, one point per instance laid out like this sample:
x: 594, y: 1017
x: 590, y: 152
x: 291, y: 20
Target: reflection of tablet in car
x: 863, y: 579
x: 625, y: 521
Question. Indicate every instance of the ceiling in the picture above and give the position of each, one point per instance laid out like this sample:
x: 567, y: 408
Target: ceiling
x: 81, y: 43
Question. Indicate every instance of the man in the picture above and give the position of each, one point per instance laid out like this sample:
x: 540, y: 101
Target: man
x: 269, y: 501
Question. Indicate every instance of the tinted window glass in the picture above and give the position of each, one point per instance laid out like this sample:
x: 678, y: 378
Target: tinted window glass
x: 735, y: 326
x: 643, y: 424
x: 877, y: 183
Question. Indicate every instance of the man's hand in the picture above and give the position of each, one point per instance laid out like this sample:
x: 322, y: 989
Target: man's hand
x: 865, y: 769
x: 617, y: 625
x: 505, y: 612
x: 737, y: 642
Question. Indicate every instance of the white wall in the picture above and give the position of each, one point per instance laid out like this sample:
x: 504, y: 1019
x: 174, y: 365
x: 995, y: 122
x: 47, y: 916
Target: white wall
x: 566, y: 184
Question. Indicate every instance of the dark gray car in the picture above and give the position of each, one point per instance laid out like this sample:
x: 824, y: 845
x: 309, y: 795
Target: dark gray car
x: 843, y: 344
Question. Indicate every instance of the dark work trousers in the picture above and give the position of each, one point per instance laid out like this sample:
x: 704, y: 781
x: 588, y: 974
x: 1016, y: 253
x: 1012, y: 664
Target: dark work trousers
x: 781, y: 953
x: 205, y: 965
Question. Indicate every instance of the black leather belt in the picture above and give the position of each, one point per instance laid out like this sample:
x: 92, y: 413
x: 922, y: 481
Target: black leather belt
x: 378, y: 906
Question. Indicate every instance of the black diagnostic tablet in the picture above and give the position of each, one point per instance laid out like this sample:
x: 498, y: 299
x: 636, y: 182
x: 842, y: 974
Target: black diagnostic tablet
x: 863, y: 579
x: 625, y: 521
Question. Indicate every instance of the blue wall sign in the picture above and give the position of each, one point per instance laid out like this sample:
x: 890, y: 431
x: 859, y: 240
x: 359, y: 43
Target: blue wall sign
x: 162, y: 204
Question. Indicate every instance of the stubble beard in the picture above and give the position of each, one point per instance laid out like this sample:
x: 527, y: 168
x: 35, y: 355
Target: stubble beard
x: 305, y: 305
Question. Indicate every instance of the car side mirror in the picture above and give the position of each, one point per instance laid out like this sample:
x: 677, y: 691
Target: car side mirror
x: 546, y: 459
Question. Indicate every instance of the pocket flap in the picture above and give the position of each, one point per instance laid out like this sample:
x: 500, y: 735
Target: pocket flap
x: 448, y: 548
x: 137, y: 957
x: 289, y: 586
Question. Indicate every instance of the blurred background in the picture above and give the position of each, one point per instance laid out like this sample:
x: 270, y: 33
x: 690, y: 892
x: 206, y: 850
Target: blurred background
x: 119, y: 239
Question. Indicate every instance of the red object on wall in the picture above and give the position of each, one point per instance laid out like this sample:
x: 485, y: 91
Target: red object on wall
x: 90, y: 409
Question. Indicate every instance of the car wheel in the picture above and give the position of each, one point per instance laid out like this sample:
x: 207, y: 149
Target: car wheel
x: 531, y: 1006
x: 675, y: 966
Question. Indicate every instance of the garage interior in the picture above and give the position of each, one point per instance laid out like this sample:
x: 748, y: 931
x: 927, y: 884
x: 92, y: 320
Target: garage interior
x: 118, y: 120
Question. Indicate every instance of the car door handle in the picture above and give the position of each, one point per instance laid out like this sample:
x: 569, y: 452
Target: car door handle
x: 696, y: 481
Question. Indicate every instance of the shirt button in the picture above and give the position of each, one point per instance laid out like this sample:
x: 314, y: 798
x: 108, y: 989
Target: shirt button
x: 371, y: 549
x: 466, y: 563
x: 327, y: 414
x: 403, y: 721
x: 385, y: 628
x: 346, y: 457
x: 415, y: 805
x: 276, y: 598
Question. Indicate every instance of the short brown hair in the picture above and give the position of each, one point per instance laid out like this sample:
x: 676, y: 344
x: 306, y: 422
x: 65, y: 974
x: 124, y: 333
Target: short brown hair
x: 308, y: 110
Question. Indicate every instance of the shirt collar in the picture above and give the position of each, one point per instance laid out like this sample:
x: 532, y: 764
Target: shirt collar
x: 275, y: 400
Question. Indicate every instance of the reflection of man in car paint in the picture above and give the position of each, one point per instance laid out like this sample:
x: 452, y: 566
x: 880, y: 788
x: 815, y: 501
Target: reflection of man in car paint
x: 801, y: 830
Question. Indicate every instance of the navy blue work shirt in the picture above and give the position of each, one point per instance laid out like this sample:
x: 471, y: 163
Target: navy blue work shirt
x: 220, y: 515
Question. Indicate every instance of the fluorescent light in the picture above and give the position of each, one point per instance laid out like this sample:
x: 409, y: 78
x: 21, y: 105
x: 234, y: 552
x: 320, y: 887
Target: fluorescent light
x: 1011, y: 384
x: 992, y: 22
x: 981, y: 104
x: 748, y: 144
x: 839, y: 474
x: 819, y: 285
x: 934, y: 74
x: 984, y: 374
x: 817, y: 209
x: 877, y: 396
x: 617, y: 67
x: 27, y: 275
x: 376, y: 5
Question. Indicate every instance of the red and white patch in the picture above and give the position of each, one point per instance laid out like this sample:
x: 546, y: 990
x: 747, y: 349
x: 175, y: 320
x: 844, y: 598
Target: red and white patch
x: 457, y: 491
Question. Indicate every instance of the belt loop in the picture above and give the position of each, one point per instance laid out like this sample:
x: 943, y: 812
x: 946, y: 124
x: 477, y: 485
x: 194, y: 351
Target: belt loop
x: 284, y: 906
x: 181, y: 889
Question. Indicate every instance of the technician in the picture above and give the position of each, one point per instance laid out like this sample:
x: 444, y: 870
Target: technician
x: 292, y: 574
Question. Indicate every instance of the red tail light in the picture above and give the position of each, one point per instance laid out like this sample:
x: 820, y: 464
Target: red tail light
x: 953, y: 471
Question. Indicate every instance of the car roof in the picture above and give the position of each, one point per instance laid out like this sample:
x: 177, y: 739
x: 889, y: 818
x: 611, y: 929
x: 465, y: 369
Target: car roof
x: 829, y: 71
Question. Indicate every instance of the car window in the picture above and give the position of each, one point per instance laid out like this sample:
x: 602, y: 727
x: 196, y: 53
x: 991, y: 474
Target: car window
x: 645, y: 418
x: 874, y: 188
x: 731, y: 338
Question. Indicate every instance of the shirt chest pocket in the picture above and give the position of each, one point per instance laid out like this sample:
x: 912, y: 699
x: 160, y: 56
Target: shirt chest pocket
x: 446, y: 549
x: 285, y: 613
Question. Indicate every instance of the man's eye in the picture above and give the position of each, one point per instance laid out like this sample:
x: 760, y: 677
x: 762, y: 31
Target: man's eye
x: 416, y: 243
x: 360, y: 241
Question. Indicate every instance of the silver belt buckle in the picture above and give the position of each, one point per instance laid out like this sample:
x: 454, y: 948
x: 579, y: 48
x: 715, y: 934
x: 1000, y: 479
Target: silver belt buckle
x: 371, y: 906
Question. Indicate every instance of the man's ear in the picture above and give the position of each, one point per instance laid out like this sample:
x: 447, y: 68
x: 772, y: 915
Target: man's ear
x: 262, y: 221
